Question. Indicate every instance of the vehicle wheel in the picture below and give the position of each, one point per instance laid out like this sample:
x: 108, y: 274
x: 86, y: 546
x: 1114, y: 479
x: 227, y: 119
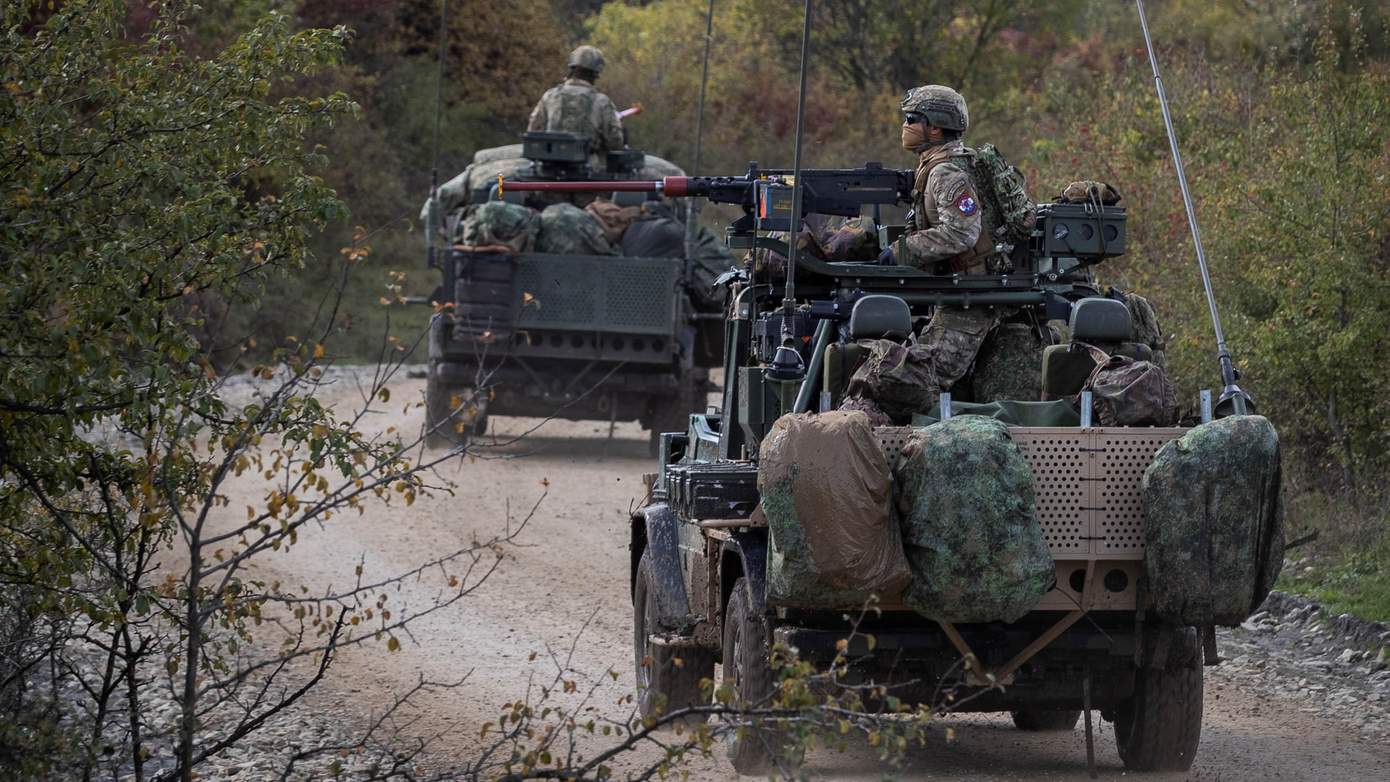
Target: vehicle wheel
x: 748, y: 673
x: 665, y: 682
x: 1159, y: 727
x: 1046, y: 719
x: 441, y: 423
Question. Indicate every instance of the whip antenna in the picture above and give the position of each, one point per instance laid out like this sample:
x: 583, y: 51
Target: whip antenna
x: 789, y: 299
x: 692, y: 216
x: 787, y: 363
x: 432, y: 211
x: 1230, y: 391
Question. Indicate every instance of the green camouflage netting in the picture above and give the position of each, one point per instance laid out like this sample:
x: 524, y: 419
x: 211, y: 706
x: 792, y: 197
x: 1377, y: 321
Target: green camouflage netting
x: 1009, y: 365
x: 1214, y: 522
x: 970, y: 531
x: 827, y: 494
x: 500, y: 223
x: 568, y: 230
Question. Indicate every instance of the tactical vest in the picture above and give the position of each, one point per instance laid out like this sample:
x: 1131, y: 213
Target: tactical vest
x: 972, y: 261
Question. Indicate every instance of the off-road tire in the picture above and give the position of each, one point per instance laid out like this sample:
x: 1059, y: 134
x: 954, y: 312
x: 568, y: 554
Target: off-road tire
x: 1041, y: 720
x: 662, y: 689
x: 1160, y: 726
x: 440, y: 430
x: 748, y: 674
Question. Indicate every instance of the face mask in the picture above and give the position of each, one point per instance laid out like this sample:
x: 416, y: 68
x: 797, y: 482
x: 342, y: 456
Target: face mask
x: 914, y: 136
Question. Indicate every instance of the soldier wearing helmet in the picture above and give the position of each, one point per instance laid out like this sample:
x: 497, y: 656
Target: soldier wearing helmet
x: 576, y: 106
x: 945, y: 231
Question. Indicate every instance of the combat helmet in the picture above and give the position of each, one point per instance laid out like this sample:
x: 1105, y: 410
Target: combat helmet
x: 587, y: 57
x: 942, y: 106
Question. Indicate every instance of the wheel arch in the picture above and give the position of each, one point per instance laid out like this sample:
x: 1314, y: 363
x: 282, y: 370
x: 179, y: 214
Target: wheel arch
x: 744, y: 555
x: 654, y: 532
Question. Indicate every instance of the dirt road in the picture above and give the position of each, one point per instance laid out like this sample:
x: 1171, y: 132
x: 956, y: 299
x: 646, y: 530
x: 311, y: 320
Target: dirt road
x: 567, y: 585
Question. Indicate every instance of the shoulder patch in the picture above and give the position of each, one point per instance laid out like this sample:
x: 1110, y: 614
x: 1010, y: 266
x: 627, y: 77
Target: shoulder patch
x: 967, y: 204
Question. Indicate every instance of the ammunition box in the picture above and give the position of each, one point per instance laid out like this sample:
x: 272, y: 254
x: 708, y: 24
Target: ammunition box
x: 555, y: 147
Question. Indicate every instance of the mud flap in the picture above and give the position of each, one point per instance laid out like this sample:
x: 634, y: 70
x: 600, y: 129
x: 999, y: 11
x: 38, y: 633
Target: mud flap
x: 751, y: 550
x: 660, y: 525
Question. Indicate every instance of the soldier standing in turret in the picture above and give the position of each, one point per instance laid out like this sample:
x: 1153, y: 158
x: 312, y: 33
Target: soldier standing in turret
x: 945, y: 228
x: 576, y: 106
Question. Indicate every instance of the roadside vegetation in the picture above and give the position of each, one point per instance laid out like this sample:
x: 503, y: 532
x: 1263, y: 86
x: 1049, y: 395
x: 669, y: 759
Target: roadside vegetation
x: 192, y: 194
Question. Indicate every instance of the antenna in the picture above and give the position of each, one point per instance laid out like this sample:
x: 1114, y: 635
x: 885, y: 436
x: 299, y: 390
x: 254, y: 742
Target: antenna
x: 692, y: 214
x: 1230, y: 391
x: 432, y: 211
x: 787, y: 363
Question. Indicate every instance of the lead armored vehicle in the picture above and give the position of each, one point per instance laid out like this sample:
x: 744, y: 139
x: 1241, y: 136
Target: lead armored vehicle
x: 578, y: 335
x: 1025, y: 558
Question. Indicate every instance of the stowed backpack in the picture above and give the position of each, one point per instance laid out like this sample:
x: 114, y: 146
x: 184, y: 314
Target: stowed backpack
x: 1005, y: 201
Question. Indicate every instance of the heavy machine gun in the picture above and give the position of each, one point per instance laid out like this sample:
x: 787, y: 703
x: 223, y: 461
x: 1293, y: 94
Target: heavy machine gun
x: 1043, y: 277
x: 1068, y: 239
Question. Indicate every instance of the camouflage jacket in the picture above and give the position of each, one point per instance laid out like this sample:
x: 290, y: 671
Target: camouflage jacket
x: 576, y: 106
x: 946, y: 210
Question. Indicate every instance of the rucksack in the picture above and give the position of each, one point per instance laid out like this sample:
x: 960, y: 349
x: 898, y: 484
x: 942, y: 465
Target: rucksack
x: 1125, y: 392
x: 1005, y: 199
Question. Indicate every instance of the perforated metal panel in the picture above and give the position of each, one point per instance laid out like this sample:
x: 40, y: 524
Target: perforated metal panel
x: 1062, y: 480
x: 892, y: 439
x: 1087, y: 483
x: 1118, y: 473
x: 598, y: 293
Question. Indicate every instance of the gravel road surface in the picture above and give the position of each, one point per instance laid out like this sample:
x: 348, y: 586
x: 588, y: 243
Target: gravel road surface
x: 564, y: 590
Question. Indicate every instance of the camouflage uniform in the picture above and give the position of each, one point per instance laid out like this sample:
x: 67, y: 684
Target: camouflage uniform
x: 576, y: 106
x: 946, y: 219
x: 947, y: 228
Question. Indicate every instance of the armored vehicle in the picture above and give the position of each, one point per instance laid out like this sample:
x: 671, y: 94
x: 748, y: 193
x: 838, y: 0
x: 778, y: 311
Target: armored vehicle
x: 728, y: 557
x: 582, y: 336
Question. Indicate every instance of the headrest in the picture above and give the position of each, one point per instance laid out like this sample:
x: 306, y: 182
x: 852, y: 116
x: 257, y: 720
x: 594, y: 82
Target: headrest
x: 1100, y: 319
x: 880, y: 316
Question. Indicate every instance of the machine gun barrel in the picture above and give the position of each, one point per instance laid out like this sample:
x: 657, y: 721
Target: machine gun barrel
x: 836, y: 191
x: 722, y: 189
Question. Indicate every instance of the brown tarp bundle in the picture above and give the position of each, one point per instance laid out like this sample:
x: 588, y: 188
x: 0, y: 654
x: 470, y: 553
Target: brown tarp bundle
x: 614, y: 219
x: 827, y: 494
x: 1214, y: 522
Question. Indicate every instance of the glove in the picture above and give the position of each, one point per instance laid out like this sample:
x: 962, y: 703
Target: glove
x: 886, y: 258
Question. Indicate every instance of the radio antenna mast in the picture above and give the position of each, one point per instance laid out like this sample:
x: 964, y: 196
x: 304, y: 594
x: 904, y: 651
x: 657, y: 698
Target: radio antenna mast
x: 692, y: 214
x: 787, y: 363
x: 432, y: 215
x: 1230, y: 390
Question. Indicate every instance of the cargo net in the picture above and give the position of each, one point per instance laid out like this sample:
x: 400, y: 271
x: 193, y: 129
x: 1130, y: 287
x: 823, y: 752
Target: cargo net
x: 1087, y: 483
x: 635, y: 295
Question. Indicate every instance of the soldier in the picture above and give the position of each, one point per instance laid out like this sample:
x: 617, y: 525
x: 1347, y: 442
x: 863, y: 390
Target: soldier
x: 945, y: 226
x: 575, y: 106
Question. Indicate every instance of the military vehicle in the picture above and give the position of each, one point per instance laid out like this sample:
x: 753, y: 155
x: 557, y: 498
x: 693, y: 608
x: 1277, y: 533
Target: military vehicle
x: 576, y: 336
x: 1119, y: 621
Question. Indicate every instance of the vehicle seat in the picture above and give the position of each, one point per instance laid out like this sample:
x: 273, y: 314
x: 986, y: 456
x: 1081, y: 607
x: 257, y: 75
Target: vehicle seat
x: 1102, y: 322
x: 873, y: 317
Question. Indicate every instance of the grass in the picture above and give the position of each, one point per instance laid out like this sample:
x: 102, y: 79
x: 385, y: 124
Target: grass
x: 1350, y: 580
x: 1347, y: 569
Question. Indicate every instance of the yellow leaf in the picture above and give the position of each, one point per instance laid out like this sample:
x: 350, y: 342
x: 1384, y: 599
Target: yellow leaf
x: 318, y: 350
x: 393, y: 644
